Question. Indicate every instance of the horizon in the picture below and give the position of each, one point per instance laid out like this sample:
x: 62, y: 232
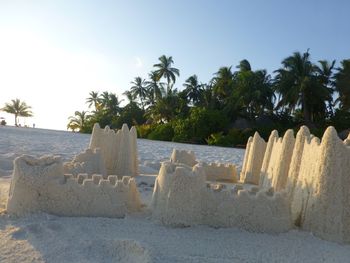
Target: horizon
x: 53, y: 53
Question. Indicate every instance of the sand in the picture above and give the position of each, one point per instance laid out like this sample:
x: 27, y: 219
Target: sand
x: 136, y: 238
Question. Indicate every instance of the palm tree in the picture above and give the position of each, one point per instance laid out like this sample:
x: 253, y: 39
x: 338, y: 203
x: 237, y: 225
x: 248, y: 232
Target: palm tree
x: 130, y: 96
x: 193, y: 89
x: 297, y: 85
x: 18, y: 108
x: 139, y: 89
x: 154, y: 87
x: 93, y: 100
x: 78, y: 120
x: 342, y: 84
x: 244, y: 65
x: 104, y: 98
x: 324, y: 73
x: 223, y: 84
x: 165, y: 70
x: 112, y: 106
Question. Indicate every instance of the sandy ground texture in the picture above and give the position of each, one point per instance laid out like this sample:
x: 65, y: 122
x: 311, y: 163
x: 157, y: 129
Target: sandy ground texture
x: 48, y: 238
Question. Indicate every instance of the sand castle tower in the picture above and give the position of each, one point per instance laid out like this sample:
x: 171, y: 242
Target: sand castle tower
x: 323, y: 184
x: 118, y: 149
x: 253, y: 159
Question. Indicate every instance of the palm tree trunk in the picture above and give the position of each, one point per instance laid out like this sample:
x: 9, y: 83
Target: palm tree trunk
x: 306, y: 111
x: 16, y: 120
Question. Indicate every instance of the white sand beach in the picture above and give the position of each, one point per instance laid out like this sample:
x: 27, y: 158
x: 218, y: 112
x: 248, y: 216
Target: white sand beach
x: 136, y: 238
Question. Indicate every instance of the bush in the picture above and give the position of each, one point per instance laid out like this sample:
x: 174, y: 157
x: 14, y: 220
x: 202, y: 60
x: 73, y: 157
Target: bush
x: 163, y: 132
x: 199, y: 126
x: 183, y: 131
x: 144, y: 130
x: 234, y: 137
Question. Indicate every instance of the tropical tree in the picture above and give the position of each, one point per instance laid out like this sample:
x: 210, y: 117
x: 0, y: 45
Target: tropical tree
x: 165, y: 70
x: 298, y: 85
x: 193, y: 89
x: 138, y: 89
x: 154, y: 87
x: 93, y: 99
x: 342, y: 84
x: 78, y: 121
x: 130, y: 96
x: 113, y: 104
x: 324, y: 74
x: 223, y: 83
x: 252, y: 91
x: 18, y: 108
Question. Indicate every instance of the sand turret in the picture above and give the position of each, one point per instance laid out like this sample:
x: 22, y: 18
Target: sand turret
x: 118, y: 149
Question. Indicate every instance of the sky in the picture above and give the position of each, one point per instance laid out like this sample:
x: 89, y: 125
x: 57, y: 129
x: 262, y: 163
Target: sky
x: 53, y: 53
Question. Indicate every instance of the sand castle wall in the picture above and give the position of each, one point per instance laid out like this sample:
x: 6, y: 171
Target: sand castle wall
x: 314, y: 175
x: 89, y: 162
x: 40, y: 185
x: 181, y: 198
x: 213, y: 171
x: 118, y: 149
x: 253, y: 160
x: 220, y: 172
x: 182, y: 156
x: 320, y: 199
x: 275, y: 168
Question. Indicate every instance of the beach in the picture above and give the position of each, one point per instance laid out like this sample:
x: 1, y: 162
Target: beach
x: 136, y: 238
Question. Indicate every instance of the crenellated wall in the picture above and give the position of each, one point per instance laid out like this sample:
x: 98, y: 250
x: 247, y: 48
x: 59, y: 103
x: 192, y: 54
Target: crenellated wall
x: 315, y: 176
x: 181, y: 197
x: 321, y: 198
x: 40, y: 185
x: 220, y: 172
x: 213, y: 171
x: 118, y: 149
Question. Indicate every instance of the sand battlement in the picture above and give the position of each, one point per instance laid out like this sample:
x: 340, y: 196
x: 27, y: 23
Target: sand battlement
x: 220, y: 171
x: 40, y: 185
x: 184, y: 157
x: 182, y: 197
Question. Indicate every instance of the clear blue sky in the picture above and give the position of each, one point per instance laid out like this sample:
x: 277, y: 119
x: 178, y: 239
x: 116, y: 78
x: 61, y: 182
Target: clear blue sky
x: 53, y: 53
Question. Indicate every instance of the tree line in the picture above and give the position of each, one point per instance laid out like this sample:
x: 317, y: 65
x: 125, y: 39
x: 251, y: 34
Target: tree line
x: 228, y: 109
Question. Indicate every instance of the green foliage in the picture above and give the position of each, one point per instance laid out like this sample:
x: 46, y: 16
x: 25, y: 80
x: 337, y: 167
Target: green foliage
x: 234, y: 137
x: 302, y: 92
x: 144, y: 130
x: 162, y: 132
x: 131, y: 114
x: 341, y: 120
x: 200, y: 124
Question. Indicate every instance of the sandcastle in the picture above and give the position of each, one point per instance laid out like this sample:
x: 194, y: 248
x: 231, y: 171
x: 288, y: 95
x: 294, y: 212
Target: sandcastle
x: 315, y: 176
x: 89, y: 162
x: 287, y: 181
x: 213, y: 171
x: 182, y: 197
x: 40, y: 185
x: 118, y: 149
x: 96, y: 182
